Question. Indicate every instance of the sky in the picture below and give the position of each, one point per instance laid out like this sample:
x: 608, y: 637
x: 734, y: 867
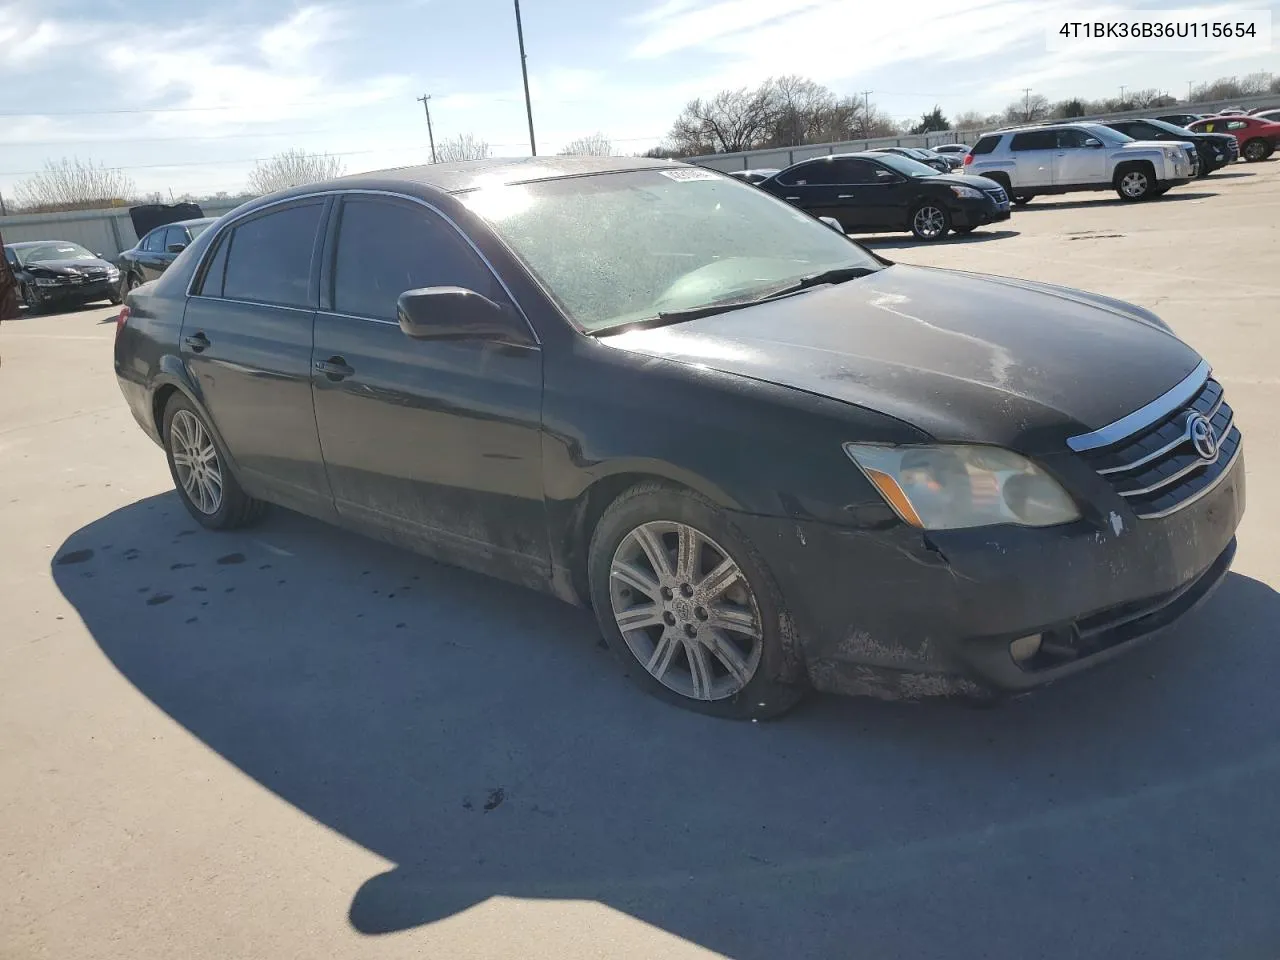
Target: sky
x: 186, y: 96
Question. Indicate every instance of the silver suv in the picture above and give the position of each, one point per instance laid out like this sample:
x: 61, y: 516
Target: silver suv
x: 1066, y: 157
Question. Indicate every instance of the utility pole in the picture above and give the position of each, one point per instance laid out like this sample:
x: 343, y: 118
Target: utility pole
x: 3, y: 212
x: 866, y: 101
x: 430, y: 136
x: 1026, y: 101
x: 524, y: 71
x: 1122, y: 89
x: 1189, y: 82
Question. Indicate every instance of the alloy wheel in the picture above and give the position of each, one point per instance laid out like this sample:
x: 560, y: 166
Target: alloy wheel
x: 1134, y: 183
x: 29, y: 299
x: 195, y: 460
x: 685, y: 610
x: 1255, y: 150
x: 929, y: 222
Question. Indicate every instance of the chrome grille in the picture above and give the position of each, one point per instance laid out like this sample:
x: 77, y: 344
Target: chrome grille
x: 996, y: 193
x: 1157, y: 468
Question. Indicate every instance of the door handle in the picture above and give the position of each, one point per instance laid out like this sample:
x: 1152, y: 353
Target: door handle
x: 790, y: 198
x: 844, y: 196
x: 335, y: 368
x: 197, y: 343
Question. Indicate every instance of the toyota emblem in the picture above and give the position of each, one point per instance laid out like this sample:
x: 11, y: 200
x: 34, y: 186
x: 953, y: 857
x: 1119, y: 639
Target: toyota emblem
x: 1201, y: 433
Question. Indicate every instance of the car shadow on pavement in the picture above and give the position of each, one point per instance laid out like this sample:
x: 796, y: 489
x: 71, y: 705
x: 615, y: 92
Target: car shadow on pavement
x: 879, y: 241
x: 478, y: 736
x: 1049, y: 203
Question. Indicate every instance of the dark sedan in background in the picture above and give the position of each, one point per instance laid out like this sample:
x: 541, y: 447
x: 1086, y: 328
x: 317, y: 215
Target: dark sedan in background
x: 768, y: 459
x: 152, y: 255
x: 57, y: 273
x: 871, y: 192
x: 939, y: 162
x: 1215, y: 150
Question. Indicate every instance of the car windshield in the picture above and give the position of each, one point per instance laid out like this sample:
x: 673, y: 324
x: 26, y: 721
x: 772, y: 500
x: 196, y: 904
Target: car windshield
x: 906, y: 166
x: 1166, y: 127
x: 617, y: 248
x: 53, y: 251
x: 1105, y: 134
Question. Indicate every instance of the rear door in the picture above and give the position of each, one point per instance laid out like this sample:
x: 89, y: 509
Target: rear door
x: 1033, y: 152
x: 436, y: 441
x: 810, y: 186
x: 246, y: 341
x: 150, y: 262
x: 1079, y: 159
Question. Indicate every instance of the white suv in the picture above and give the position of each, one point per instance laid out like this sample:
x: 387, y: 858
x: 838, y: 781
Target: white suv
x: 1066, y: 157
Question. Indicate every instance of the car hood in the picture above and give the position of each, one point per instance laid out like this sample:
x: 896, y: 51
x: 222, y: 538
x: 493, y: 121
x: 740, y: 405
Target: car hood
x: 68, y: 266
x: 960, y: 180
x: 962, y: 356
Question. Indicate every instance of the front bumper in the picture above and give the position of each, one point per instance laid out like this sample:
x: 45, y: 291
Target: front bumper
x: 900, y: 614
x: 977, y: 213
x: 78, y: 292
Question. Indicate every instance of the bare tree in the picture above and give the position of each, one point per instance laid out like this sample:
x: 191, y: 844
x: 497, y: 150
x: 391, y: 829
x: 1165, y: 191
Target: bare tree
x: 74, y: 185
x: 1032, y: 107
x: 974, y: 120
x: 731, y: 121
x: 465, y: 146
x: 595, y: 145
x: 801, y: 110
x: 293, y: 168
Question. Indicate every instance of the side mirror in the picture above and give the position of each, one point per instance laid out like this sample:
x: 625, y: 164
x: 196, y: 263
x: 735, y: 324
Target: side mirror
x: 1093, y: 144
x: 833, y: 223
x: 176, y: 247
x: 455, y: 313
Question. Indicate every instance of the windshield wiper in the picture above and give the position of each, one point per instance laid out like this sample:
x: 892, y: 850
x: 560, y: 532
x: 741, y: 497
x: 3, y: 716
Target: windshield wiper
x: 835, y: 275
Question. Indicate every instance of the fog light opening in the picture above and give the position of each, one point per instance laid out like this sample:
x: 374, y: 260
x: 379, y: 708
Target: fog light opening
x: 1024, y: 648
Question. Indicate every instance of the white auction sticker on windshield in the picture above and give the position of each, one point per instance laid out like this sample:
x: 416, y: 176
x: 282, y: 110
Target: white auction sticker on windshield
x: 690, y: 173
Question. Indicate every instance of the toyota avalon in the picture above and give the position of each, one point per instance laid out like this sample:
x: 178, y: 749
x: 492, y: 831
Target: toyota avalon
x: 768, y: 459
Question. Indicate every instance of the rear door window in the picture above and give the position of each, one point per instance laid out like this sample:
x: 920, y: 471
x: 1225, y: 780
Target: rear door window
x: 269, y: 260
x: 386, y: 248
x: 1034, y: 140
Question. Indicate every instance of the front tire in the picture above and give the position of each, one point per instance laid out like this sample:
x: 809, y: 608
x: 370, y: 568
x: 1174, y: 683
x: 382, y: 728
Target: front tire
x: 689, y: 607
x: 30, y: 299
x: 1135, y: 183
x: 930, y: 221
x: 963, y: 231
x: 208, y: 489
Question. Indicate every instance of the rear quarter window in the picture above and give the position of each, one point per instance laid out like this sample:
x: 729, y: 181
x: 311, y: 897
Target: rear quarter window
x: 985, y: 144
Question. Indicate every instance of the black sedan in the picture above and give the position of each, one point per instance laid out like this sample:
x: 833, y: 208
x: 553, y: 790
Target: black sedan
x: 927, y: 157
x: 768, y: 459
x: 56, y: 273
x: 151, y: 256
x: 869, y: 192
x: 1216, y: 150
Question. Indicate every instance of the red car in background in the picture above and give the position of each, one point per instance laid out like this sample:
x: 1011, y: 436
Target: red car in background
x: 1258, y: 138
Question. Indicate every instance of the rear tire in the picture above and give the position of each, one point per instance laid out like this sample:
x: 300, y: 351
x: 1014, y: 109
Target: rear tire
x: 1256, y: 150
x: 198, y: 465
x: 652, y: 569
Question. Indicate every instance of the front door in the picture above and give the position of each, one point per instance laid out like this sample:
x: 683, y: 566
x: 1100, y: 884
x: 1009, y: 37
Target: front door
x: 863, y: 194
x: 435, y: 441
x: 246, y: 341
x: 1079, y: 159
x: 1033, y: 152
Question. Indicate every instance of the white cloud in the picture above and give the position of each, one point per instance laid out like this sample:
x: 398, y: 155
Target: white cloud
x: 24, y: 40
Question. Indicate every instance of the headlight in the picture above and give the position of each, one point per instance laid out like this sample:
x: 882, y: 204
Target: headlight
x: 113, y: 274
x: 954, y: 486
x: 49, y: 281
x: 966, y: 193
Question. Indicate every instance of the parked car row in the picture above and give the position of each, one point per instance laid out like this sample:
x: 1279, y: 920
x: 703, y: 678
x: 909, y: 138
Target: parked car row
x: 494, y: 363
